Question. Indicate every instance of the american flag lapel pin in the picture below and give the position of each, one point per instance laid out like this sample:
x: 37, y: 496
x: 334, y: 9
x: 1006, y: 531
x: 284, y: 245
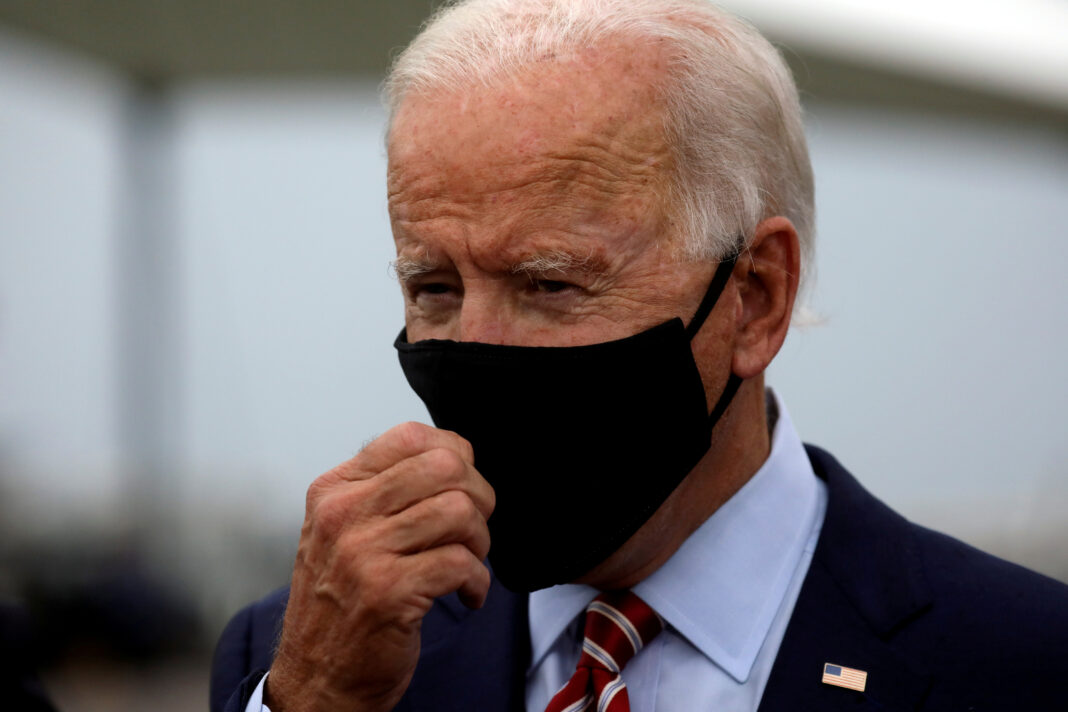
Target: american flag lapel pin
x: 842, y: 676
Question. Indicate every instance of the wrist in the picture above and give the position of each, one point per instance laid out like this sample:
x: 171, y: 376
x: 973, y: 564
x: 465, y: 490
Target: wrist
x: 285, y: 692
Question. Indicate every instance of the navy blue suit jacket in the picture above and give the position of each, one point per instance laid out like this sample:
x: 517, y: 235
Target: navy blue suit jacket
x: 937, y: 625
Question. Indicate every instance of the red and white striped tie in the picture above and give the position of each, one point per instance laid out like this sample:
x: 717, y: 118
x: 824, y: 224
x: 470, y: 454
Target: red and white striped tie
x: 618, y: 624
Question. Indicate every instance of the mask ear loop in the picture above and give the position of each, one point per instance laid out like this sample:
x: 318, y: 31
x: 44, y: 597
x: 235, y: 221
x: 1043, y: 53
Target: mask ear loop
x: 715, y: 289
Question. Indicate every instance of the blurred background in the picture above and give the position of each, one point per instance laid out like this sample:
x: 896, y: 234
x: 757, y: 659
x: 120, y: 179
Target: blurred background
x: 196, y: 310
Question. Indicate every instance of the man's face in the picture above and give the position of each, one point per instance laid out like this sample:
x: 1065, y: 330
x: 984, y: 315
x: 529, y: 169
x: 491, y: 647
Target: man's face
x: 534, y: 212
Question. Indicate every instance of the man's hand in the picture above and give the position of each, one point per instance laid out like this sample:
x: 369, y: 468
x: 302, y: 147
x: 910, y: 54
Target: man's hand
x: 384, y: 534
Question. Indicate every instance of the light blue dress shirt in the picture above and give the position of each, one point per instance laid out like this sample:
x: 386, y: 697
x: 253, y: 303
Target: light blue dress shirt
x: 726, y: 597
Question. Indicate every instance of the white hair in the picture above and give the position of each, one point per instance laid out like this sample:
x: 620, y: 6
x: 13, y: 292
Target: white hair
x: 732, y: 114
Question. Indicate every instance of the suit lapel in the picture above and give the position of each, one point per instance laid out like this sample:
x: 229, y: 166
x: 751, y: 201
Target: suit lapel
x: 865, y: 584
x: 472, y: 660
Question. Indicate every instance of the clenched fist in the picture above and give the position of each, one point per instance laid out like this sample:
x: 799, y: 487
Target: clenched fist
x: 384, y: 534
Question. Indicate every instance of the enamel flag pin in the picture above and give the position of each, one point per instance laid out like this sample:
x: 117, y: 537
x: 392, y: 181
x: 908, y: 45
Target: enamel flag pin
x: 842, y: 676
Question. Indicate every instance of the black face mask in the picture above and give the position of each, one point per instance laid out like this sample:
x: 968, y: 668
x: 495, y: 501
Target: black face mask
x: 582, y: 444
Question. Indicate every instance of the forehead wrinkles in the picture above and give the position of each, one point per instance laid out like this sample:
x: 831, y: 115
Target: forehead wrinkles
x: 578, y: 179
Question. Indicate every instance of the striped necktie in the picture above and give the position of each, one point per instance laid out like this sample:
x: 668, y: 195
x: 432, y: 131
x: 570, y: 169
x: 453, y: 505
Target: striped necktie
x: 618, y: 624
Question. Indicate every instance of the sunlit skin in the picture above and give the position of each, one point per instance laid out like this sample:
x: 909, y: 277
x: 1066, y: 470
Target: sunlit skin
x: 532, y: 212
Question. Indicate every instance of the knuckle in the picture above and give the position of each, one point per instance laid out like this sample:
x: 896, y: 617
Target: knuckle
x: 458, y: 558
x: 330, y: 481
x: 445, y: 462
x: 311, y: 497
x: 318, y: 489
x: 455, y: 505
x: 329, y: 515
x: 480, y: 545
x: 482, y: 574
x: 412, y: 434
x: 467, y: 451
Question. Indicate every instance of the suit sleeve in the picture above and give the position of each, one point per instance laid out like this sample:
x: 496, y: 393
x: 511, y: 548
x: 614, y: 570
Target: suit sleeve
x: 245, y: 651
x: 232, y: 675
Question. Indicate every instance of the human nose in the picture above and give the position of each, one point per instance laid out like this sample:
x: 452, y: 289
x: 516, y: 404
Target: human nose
x: 483, y: 318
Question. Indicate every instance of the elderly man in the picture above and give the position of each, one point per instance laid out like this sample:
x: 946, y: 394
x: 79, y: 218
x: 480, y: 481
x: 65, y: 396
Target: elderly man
x: 602, y: 211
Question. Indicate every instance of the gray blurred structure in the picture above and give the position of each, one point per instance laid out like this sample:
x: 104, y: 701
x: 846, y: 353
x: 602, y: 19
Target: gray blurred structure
x: 166, y: 41
x: 1004, y: 60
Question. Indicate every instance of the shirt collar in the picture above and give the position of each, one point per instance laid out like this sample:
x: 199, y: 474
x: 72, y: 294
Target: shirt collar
x: 722, y: 588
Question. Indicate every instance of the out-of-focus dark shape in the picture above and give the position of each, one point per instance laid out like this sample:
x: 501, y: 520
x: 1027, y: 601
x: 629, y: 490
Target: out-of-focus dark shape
x: 104, y: 608
x: 20, y: 688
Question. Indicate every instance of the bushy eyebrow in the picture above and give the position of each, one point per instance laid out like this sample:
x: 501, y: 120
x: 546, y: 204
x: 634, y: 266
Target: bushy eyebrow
x: 555, y: 261
x: 406, y: 269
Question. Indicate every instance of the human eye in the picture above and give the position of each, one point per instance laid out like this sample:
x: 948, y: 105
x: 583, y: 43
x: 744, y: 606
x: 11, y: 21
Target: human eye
x: 432, y: 293
x: 554, y: 293
x: 433, y: 288
x: 554, y: 278
x: 551, y: 286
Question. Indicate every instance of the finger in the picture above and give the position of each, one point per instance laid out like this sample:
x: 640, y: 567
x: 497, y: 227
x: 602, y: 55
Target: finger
x: 400, y: 443
x: 446, y: 518
x: 426, y: 475
x: 335, y: 507
x: 395, y: 445
x: 451, y: 568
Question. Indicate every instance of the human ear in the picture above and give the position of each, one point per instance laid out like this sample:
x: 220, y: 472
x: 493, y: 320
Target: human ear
x: 767, y: 275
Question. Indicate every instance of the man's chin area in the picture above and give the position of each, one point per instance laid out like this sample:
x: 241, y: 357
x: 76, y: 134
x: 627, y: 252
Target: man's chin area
x: 633, y: 562
x: 612, y: 576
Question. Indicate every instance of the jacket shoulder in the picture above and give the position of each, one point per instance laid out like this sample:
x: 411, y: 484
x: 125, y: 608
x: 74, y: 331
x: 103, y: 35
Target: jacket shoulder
x: 998, y: 613
x: 979, y: 628
x: 246, y: 648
